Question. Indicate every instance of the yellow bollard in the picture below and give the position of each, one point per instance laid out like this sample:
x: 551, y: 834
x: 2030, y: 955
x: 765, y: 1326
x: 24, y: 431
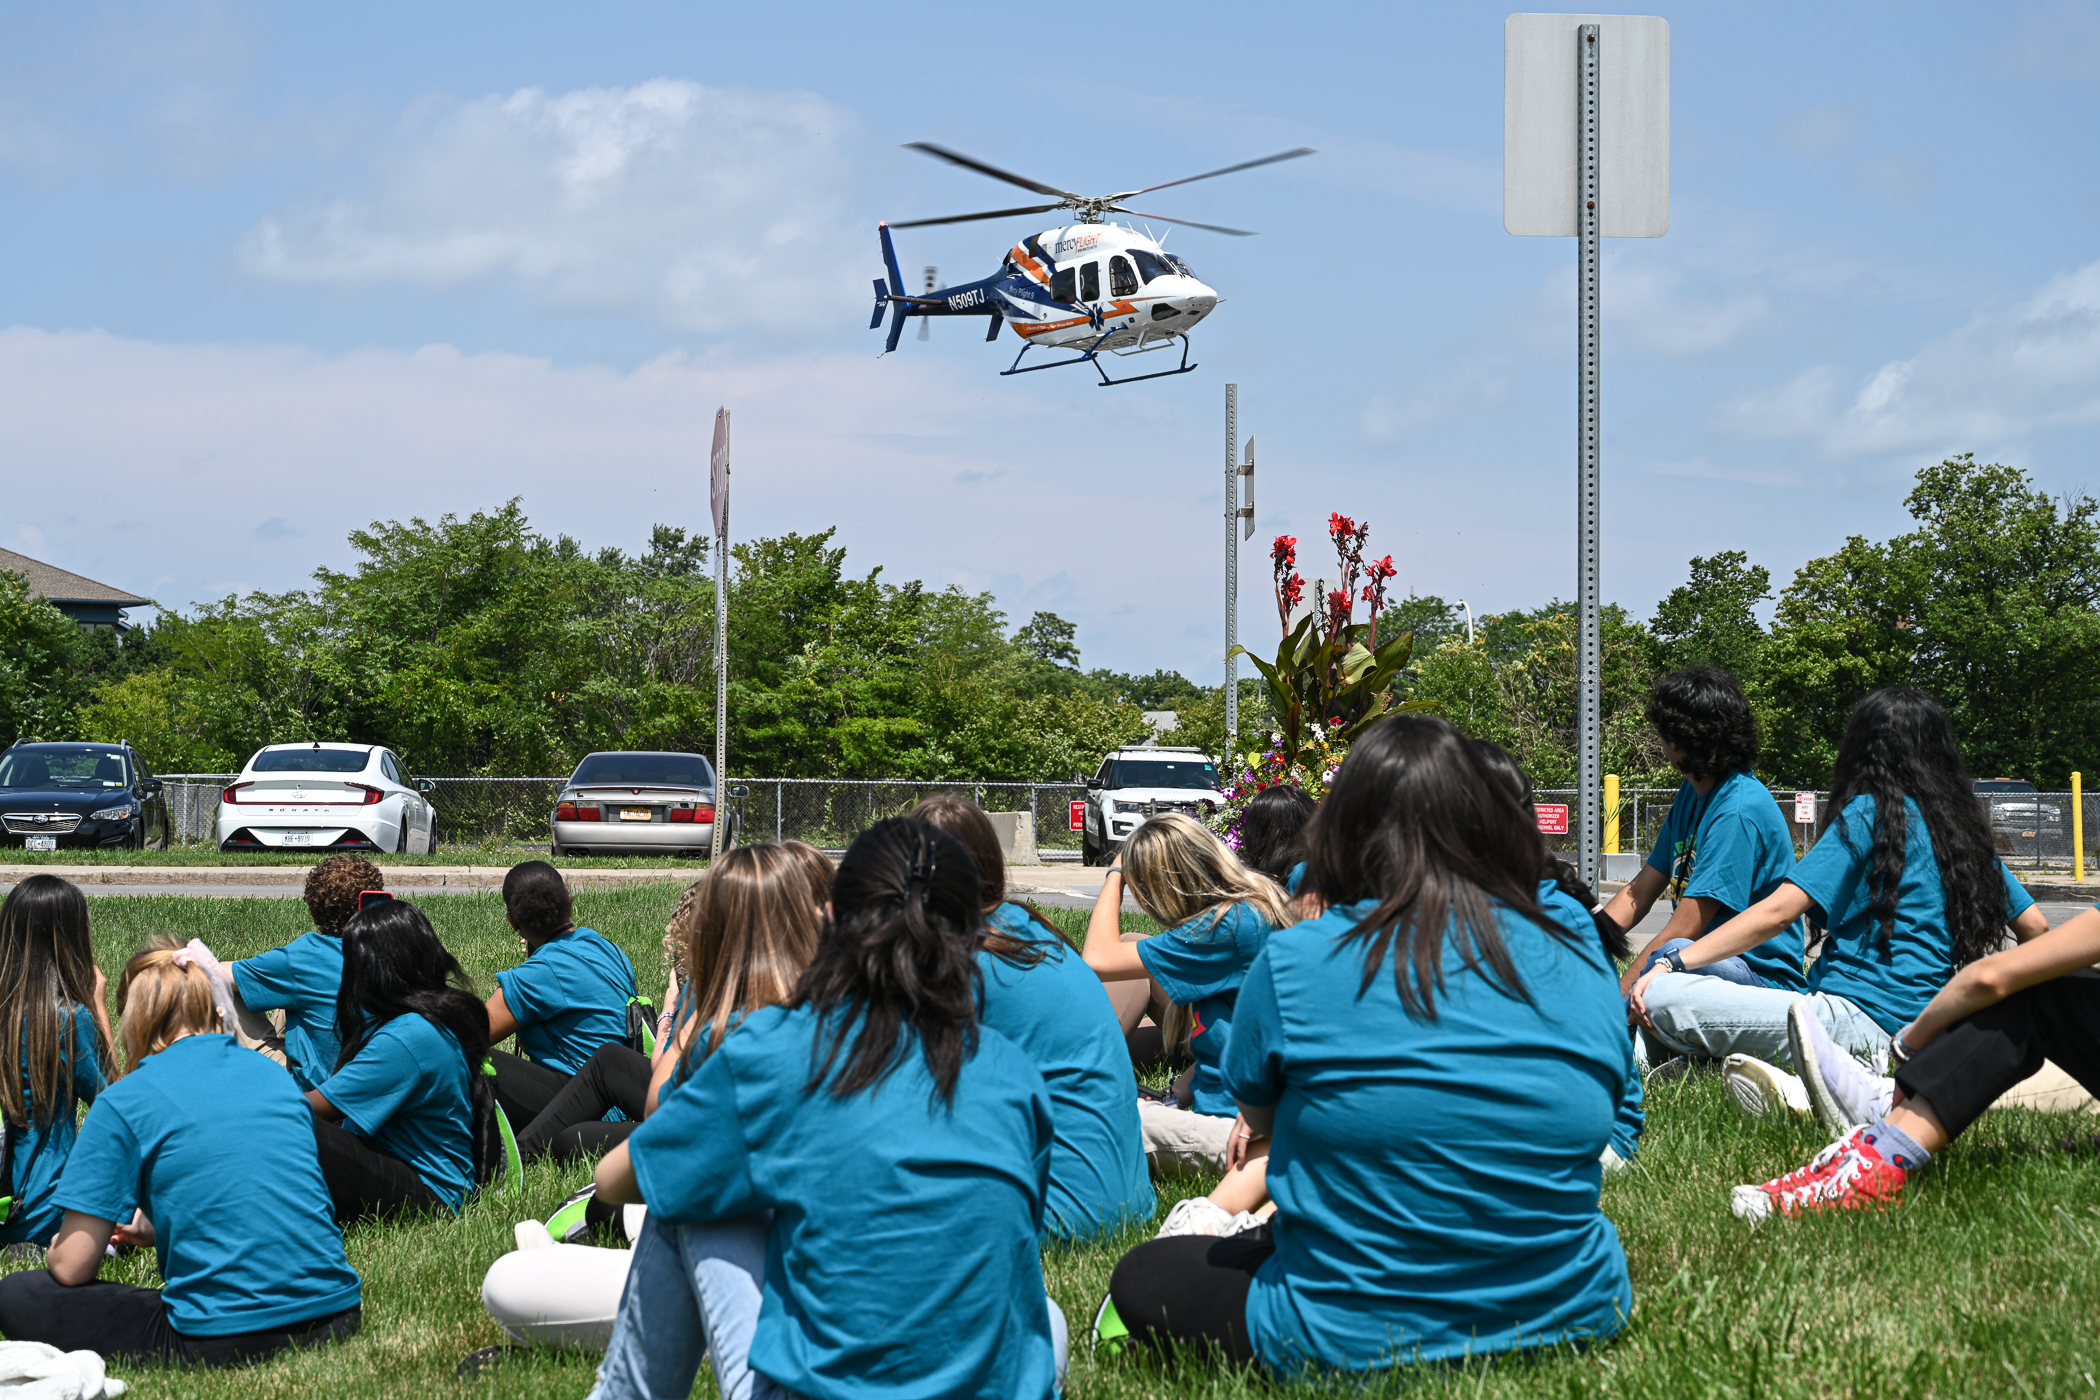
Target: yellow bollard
x: 1611, y: 814
x: 2078, y: 826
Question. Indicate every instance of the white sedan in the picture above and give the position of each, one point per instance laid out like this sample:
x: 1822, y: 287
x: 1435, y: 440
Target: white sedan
x: 326, y: 797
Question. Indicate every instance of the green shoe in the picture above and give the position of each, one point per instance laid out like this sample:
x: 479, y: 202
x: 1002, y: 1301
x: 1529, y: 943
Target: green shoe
x: 1110, y: 1334
x: 571, y: 1222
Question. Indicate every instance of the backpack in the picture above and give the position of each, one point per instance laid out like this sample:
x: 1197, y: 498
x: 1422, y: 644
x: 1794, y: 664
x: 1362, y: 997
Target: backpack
x: 641, y: 1026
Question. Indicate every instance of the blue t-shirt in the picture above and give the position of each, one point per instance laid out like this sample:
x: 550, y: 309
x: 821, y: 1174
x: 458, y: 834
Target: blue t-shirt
x: 406, y: 1091
x: 41, y: 1150
x: 1060, y: 1015
x: 216, y: 1145
x: 1200, y: 965
x: 570, y: 998
x: 1295, y: 878
x: 1436, y: 1181
x: 1891, y: 987
x: 300, y: 979
x: 1628, y: 1121
x: 1734, y: 847
x: 903, y: 1257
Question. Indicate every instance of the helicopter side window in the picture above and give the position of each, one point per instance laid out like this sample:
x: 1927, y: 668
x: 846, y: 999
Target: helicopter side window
x: 1090, y: 281
x: 1122, y: 282
x: 1064, y: 284
x: 1150, y: 264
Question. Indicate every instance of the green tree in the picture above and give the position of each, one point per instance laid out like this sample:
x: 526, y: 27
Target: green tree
x: 39, y: 651
x: 1711, y: 619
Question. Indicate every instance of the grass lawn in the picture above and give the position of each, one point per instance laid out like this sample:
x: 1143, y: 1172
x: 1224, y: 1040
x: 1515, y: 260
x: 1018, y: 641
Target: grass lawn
x: 503, y: 856
x: 1983, y: 1284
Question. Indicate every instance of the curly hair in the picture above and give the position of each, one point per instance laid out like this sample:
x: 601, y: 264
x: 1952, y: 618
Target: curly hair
x: 537, y: 900
x: 332, y: 888
x: 1703, y: 712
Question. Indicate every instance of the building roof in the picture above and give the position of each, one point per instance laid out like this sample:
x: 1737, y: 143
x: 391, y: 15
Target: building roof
x: 61, y: 586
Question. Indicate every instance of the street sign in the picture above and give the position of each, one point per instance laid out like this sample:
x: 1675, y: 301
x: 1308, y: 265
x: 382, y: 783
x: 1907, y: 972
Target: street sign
x: 718, y: 475
x: 1079, y: 816
x: 1539, y: 116
x: 1805, y: 808
x: 1553, y: 819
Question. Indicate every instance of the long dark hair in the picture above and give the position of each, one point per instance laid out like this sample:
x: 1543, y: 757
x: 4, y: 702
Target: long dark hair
x: 1900, y: 744
x: 967, y: 823
x: 1415, y: 822
x: 394, y: 965
x: 897, y: 960
x: 1272, y: 830
x: 47, y: 970
x: 1498, y: 764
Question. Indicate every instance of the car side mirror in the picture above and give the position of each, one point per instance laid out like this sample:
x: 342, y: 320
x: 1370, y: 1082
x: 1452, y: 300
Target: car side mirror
x: 740, y: 791
x: 425, y: 786
x: 150, y: 788
x: 1093, y: 785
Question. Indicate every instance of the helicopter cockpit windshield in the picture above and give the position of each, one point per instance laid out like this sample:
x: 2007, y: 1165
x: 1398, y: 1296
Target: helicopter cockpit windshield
x: 1181, y: 266
x: 1150, y: 264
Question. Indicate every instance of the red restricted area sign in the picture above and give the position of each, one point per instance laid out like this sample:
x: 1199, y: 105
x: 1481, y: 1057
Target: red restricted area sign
x: 1079, y: 816
x: 1553, y: 818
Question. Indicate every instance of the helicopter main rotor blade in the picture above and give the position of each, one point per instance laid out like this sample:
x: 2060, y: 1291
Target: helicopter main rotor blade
x: 968, y: 163
x: 1244, y: 165
x: 1191, y: 223
x: 971, y: 218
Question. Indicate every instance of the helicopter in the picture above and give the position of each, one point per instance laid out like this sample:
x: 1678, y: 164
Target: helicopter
x: 1088, y: 286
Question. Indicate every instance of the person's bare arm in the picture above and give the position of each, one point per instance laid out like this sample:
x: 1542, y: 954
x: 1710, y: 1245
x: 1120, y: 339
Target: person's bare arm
x: 323, y: 1107
x: 1988, y: 981
x: 668, y: 1053
x: 615, y: 1178
x: 100, y: 1010
x: 502, y: 1024
x: 1105, y: 952
x: 2032, y: 923
x: 1739, y: 935
x: 1258, y: 1121
x: 1688, y: 920
x: 77, y: 1253
x: 1631, y: 904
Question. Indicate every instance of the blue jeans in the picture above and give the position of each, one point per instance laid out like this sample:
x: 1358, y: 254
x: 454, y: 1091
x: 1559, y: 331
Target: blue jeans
x: 1727, y: 969
x: 1713, y: 1018
x: 693, y: 1294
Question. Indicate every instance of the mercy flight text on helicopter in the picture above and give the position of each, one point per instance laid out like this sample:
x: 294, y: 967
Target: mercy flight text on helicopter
x: 1089, y: 286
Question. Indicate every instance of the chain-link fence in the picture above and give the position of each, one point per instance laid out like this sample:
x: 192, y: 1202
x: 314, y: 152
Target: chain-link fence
x: 824, y: 812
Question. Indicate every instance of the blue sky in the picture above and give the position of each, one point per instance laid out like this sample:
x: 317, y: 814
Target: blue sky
x: 273, y: 272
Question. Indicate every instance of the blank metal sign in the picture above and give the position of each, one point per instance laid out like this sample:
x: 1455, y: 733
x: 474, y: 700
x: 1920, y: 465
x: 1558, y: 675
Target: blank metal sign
x: 1538, y: 124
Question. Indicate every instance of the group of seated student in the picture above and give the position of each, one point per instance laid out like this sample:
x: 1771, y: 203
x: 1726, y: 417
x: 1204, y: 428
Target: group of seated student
x: 877, y: 1092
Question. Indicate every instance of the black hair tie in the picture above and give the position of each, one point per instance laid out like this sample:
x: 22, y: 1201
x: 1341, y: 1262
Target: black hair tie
x: 925, y: 859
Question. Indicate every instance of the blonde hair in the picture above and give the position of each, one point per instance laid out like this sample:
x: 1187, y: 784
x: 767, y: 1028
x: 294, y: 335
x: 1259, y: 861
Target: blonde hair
x: 1177, y: 869
x: 750, y: 930
x: 160, y: 999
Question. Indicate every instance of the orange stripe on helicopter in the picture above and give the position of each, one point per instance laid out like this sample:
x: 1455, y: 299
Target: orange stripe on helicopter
x: 1030, y: 265
x: 1115, y: 308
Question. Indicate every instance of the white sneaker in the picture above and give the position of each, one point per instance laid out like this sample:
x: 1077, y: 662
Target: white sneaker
x: 1245, y: 1220
x: 1198, y: 1215
x: 1760, y: 1089
x: 1844, y: 1093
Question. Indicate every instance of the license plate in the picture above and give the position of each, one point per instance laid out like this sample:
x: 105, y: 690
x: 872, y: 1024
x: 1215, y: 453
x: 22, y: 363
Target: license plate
x: 634, y: 814
x: 298, y: 838
x: 40, y: 843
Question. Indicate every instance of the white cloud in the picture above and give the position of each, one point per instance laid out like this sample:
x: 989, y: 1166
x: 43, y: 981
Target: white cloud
x: 2056, y: 41
x: 712, y: 209
x: 2010, y: 372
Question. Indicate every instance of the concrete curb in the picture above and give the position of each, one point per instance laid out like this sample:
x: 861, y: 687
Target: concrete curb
x: 292, y: 878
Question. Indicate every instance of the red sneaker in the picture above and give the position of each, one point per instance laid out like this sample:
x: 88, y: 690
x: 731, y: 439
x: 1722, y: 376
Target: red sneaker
x: 1850, y: 1174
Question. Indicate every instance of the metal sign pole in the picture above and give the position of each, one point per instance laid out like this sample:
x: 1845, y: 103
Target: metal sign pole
x: 1589, y: 645
x: 714, y: 842
x: 1232, y: 568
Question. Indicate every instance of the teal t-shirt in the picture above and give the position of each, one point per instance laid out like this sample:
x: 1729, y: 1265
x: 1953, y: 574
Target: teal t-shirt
x: 903, y: 1256
x: 1733, y: 846
x: 1628, y: 1121
x: 216, y: 1145
x: 1436, y: 1182
x: 1891, y: 987
x: 1200, y: 965
x: 570, y: 998
x: 406, y: 1090
x: 41, y: 1150
x: 1060, y: 1015
x: 300, y: 979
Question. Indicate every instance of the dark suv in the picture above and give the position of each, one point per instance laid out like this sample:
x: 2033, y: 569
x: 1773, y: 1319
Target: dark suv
x: 2022, y: 821
x: 73, y: 796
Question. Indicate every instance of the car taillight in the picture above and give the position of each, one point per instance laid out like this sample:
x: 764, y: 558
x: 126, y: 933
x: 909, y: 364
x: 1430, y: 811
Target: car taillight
x: 371, y: 794
x: 232, y: 794
x: 692, y: 814
x: 570, y: 812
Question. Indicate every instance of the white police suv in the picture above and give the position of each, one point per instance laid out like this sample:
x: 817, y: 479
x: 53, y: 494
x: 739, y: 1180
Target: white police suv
x: 1139, y: 782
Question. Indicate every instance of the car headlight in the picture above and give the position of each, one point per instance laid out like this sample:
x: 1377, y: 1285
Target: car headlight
x: 113, y: 814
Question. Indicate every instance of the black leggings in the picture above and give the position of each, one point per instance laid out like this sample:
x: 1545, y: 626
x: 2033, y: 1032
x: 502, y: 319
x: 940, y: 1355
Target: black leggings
x: 570, y: 1126
x: 1188, y: 1293
x: 129, y: 1323
x: 364, y: 1181
x: 1964, y: 1071
x: 524, y: 1088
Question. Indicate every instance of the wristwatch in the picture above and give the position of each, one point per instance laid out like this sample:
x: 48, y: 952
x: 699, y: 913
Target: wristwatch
x: 1675, y: 958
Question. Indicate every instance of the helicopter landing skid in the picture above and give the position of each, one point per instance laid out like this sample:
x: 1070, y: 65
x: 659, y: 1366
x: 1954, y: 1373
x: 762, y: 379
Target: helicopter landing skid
x: 1092, y: 356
